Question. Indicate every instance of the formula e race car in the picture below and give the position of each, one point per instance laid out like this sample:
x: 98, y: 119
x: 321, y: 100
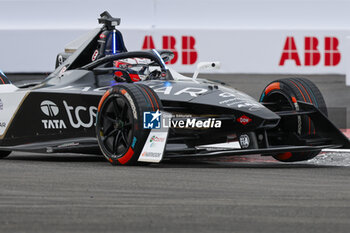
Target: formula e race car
x: 132, y: 108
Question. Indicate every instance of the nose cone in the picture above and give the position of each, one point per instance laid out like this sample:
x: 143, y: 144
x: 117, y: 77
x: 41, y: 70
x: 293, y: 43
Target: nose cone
x: 234, y: 100
x: 210, y: 94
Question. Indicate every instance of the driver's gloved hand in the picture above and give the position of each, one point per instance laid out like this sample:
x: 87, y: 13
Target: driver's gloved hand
x: 154, y: 75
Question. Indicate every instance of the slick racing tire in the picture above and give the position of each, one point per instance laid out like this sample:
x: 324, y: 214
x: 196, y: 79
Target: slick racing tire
x: 4, y: 154
x: 287, y: 92
x: 119, y: 122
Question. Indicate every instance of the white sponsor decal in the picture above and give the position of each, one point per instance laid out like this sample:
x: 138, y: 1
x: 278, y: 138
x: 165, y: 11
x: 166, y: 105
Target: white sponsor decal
x: 221, y: 146
x: 164, y: 90
x: 296, y: 105
x: 244, y: 141
x: 71, y: 144
x: 94, y: 56
x: 154, y: 147
x: 241, y: 101
x: 60, y: 60
x: 192, y: 91
x: 154, y: 141
x: 77, y: 123
x: 49, y: 108
x: 54, y: 124
x: 11, y: 99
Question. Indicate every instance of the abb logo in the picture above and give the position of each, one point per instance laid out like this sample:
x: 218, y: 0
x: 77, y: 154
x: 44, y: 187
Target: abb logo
x: 312, y: 55
x: 189, y: 54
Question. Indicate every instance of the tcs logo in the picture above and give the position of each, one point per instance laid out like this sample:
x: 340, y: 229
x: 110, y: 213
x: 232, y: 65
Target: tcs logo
x: 189, y: 55
x: 312, y: 55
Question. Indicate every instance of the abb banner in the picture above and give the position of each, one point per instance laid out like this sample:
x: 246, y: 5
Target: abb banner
x: 249, y: 51
x: 312, y: 54
x: 188, y: 52
x: 250, y: 40
x: 239, y: 51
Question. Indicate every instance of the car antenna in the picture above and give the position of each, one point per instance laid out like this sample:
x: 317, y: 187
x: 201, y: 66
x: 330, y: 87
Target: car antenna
x: 108, y: 20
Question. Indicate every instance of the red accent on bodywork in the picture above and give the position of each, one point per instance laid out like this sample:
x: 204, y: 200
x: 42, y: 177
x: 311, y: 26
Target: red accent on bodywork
x: 135, y: 77
x: 118, y: 73
x: 284, y: 156
x: 244, y: 120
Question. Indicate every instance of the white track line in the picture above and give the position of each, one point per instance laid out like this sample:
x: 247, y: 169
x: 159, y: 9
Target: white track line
x: 337, y: 150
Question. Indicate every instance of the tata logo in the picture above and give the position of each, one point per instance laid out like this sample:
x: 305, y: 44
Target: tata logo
x: 312, y: 52
x: 74, y: 114
x: 51, y: 110
x: 152, y: 120
x: 189, y: 54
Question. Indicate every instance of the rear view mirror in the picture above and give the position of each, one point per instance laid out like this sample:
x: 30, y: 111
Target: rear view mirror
x: 206, y: 66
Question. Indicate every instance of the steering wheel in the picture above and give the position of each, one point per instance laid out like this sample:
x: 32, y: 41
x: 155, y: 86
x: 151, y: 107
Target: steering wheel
x: 154, y: 75
x: 112, y: 70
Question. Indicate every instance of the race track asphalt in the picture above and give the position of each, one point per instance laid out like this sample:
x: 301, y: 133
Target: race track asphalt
x: 75, y: 193
x: 84, y: 193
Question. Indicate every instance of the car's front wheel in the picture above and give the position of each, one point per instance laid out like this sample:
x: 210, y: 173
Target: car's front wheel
x: 286, y: 93
x: 119, y: 124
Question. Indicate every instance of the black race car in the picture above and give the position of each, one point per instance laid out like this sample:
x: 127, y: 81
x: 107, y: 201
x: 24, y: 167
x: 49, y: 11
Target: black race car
x: 132, y: 108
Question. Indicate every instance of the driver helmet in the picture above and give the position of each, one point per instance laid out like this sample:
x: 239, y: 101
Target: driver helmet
x: 134, y: 66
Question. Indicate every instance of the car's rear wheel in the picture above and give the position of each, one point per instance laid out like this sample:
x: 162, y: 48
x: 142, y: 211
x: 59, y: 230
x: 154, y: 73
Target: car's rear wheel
x: 286, y: 92
x: 119, y: 124
x: 4, y: 154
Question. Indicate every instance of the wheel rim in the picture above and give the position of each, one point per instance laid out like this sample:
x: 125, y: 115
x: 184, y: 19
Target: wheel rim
x: 284, y: 102
x: 116, y: 125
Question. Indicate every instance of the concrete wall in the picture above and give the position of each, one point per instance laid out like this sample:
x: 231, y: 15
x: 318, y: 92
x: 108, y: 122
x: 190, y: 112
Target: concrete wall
x: 247, y: 36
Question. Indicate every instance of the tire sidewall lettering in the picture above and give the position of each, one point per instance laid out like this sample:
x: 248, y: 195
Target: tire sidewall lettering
x: 132, y: 104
